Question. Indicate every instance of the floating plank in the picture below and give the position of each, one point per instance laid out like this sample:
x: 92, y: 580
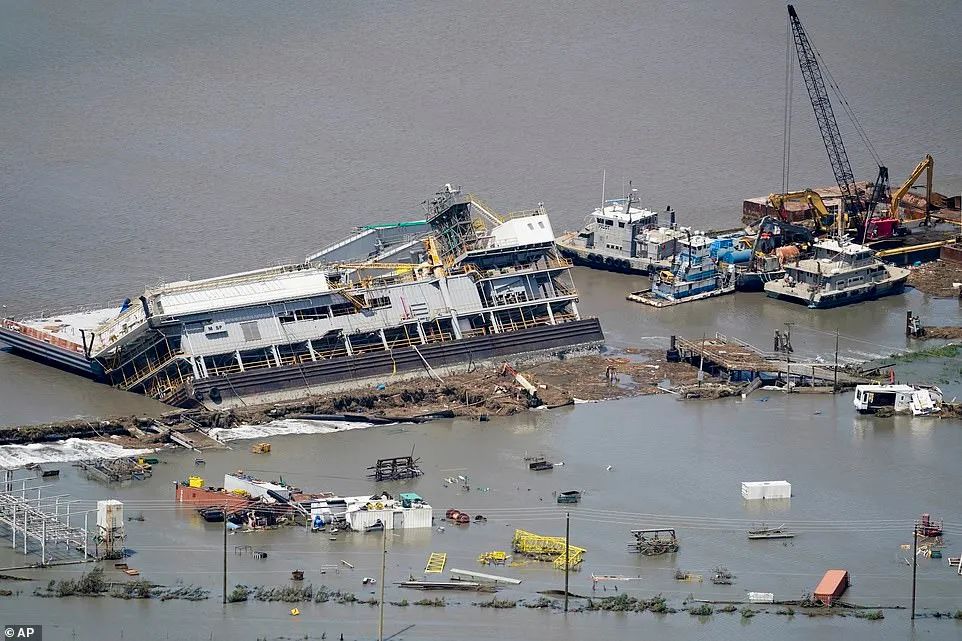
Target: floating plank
x: 436, y: 563
x: 595, y: 578
x: 441, y: 585
x: 770, y: 535
x: 461, y: 574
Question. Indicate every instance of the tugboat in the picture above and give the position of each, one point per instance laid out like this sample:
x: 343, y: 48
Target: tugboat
x: 694, y: 276
x: 620, y: 237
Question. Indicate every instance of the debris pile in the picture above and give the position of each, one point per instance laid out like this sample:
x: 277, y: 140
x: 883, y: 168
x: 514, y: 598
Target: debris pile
x: 482, y: 393
x: 937, y: 278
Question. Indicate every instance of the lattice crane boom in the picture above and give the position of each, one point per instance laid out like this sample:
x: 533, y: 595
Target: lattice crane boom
x: 824, y: 115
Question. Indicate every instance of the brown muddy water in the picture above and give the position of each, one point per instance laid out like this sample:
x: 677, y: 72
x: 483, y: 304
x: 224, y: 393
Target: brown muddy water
x: 148, y: 141
x: 857, y: 484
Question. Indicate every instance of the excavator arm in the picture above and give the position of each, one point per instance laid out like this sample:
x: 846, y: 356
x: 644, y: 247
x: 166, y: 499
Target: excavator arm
x: 820, y: 212
x: 927, y: 165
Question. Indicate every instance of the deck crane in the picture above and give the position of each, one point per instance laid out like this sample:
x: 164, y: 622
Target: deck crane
x: 855, y: 211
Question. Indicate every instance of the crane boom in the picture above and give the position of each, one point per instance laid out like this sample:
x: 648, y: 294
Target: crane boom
x: 824, y: 115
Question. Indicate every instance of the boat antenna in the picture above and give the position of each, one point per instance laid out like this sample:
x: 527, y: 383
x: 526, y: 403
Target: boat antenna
x: 604, y: 175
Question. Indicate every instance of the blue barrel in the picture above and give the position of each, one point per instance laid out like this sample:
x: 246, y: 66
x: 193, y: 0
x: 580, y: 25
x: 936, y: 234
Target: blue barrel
x: 735, y: 256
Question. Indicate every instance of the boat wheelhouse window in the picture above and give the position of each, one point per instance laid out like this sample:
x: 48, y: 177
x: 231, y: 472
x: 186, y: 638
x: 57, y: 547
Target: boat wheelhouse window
x: 309, y: 313
x: 342, y: 309
x: 251, y: 331
x: 621, y: 224
x: 313, y: 313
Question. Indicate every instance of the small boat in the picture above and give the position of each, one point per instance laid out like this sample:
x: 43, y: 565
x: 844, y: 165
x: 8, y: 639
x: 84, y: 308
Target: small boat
x: 377, y: 526
x: 917, y: 400
x: 199, y: 461
x: 770, y: 533
x: 570, y: 496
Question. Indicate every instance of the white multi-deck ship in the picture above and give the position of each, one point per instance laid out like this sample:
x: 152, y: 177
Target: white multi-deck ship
x: 839, y: 273
x: 464, y: 286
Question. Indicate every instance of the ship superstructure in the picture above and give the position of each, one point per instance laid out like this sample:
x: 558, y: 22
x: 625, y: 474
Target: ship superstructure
x: 465, y: 285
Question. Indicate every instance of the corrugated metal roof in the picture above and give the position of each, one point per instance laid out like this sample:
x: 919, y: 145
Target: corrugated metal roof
x: 228, y: 292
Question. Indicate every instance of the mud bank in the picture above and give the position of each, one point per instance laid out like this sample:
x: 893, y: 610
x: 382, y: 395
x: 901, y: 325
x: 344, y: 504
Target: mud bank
x: 484, y: 393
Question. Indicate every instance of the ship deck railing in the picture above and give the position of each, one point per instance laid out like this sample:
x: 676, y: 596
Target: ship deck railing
x: 548, y: 264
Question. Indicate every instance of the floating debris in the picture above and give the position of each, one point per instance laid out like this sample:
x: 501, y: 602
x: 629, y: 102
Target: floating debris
x: 653, y: 542
x: 396, y: 468
x: 722, y: 576
x: 763, y: 532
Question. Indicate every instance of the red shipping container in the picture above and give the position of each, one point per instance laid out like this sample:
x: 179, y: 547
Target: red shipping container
x: 832, y: 586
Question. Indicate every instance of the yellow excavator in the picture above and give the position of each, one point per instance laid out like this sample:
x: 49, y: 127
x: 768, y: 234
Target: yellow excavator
x: 927, y: 165
x: 820, y: 213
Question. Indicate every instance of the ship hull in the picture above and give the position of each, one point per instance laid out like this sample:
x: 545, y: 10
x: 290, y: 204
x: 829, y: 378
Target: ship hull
x: 840, y: 299
x: 367, y: 370
x: 746, y: 281
x: 609, y: 262
x: 19, y: 338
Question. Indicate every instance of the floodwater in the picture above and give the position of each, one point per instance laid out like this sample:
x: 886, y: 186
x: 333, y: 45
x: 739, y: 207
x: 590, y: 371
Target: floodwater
x: 153, y: 141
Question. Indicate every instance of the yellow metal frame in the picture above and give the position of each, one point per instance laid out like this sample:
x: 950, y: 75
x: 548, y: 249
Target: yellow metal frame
x: 547, y: 548
x: 435, y: 564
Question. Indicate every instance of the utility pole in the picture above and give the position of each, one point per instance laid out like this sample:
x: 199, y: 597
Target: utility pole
x: 788, y: 358
x: 225, y: 554
x: 915, y: 560
x: 835, y: 382
x: 380, y: 604
x: 701, y: 362
x: 567, y: 547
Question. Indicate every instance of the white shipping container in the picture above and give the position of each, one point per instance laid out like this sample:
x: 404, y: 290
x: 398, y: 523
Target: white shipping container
x: 761, y: 597
x: 392, y: 518
x: 753, y: 490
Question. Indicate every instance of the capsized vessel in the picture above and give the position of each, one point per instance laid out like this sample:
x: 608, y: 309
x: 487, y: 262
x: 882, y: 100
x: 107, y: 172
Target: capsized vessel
x: 387, y: 303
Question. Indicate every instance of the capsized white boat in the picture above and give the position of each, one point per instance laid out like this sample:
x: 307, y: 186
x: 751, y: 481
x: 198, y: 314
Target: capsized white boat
x: 919, y: 400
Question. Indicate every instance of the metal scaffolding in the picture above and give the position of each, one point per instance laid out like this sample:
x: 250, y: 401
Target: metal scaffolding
x: 38, y: 524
